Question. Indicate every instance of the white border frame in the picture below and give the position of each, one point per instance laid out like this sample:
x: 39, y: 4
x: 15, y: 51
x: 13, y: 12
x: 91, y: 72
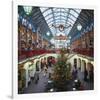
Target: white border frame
x: 15, y: 45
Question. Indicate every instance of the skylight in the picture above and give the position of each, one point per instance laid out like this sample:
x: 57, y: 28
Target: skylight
x: 60, y: 16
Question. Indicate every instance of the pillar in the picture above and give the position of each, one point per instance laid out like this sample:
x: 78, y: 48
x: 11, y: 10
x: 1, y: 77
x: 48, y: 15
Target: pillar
x: 39, y: 65
x: 79, y: 63
x: 82, y: 66
x: 26, y: 78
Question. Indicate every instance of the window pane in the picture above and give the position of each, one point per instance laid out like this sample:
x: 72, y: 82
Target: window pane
x: 70, y: 21
x: 47, y: 12
x: 72, y: 17
x: 50, y: 23
x: 50, y: 20
x: 74, y: 13
x: 43, y: 9
x: 49, y: 16
x: 64, y: 14
x: 59, y: 16
x: 78, y: 10
x: 56, y: 14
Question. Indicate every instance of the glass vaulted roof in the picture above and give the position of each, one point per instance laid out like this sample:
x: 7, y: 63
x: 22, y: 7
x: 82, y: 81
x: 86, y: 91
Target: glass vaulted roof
x: 60, y: 16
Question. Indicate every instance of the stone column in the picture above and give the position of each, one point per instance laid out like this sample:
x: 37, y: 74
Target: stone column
x: 26, y: 78
x: 39, y: 65
x: 78, y: 64
x: 82, y: 66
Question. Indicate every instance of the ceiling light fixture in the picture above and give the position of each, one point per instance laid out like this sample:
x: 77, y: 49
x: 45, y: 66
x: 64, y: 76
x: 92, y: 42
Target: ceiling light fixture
x: 27, y: 9
x: 48, y: 34
x: 79, y: 27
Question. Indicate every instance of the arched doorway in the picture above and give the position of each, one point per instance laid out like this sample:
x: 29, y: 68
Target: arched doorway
x: 83, y: 65
x: 27, y: 67
x: 84, y: 70
x: 38, y: 66
x: 51, y: 61
x: 75, y: 63
x: 79, y: 64
x: 21, y: 78
x: 90, y: 72
x: 45, y: 61
x: 42, y: 64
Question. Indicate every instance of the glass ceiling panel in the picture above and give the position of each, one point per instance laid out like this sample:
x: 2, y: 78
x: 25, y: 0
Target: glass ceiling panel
x: 69, y: 23
x: 70, y: 20
x: 73, y: 18
x: 62, y: 10
x: 67, y: 31
x: 57, y: 9
x: 43, y: 9
x: 64, y: 14
x: 60, y: 16
x: 56, y: 14
x: 57, y: 18
x: 60, y: 21
x: 77, y: 10
x: 53, y: 30
x: 47, y: 12
x: 74, y: 13
x: 48, y: 17
x: 66, y: 9
x: 50, y: 23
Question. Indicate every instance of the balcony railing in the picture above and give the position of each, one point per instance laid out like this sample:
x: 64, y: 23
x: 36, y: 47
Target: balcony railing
x: 27, y: 54
x: 84, y: 51
x: 22, y: 55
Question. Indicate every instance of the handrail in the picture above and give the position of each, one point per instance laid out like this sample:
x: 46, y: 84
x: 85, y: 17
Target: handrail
x: 28, y: 54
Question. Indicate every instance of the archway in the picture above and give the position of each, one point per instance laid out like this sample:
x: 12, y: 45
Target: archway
x: 84, y: 70
x: 90, y: 72
x: 42, y: 64
x: 51, y: 61
x: 45, y: 61
x: 83, y: 66
x: 79, y: 63
x: 75, y: 63
x: 27, y: 72
x: 21, y: 79
x: 90, y: 66
x: 38, y: 65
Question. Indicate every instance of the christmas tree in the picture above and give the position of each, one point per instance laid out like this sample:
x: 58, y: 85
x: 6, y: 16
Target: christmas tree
x: 62, y: 71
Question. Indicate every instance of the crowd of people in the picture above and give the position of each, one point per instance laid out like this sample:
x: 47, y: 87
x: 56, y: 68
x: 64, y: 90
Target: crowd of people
x: 88, y: 76
x: 45, y: 65
x: 77, y: 83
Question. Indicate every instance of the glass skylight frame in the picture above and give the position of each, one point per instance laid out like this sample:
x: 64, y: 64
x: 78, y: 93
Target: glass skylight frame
x: 57, y: 16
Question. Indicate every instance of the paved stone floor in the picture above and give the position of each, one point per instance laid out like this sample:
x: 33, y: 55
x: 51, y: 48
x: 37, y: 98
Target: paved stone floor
x: 41, y: 85
x: 87, y: 85
x: 43, y: 80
